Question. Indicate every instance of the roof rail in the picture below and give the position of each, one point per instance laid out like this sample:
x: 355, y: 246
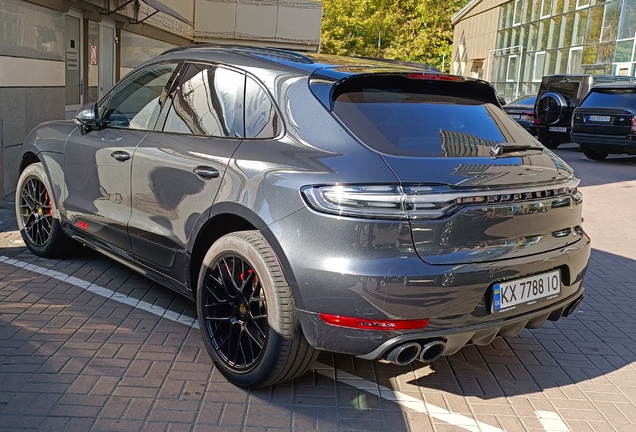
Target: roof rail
x: 278, y: 53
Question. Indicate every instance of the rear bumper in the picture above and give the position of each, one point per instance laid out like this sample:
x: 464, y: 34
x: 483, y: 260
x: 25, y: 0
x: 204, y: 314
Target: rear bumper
x: 607, y: 143
x: 544, y: 130
x: 482, y: 334
x: 370, y: 270
x: 371, y: 345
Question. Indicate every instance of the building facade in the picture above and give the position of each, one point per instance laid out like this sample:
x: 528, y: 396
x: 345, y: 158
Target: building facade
x: 515, y: 43
x: 57, y: 55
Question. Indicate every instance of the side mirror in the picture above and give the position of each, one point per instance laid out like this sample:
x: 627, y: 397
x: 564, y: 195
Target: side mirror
x: 87, y: 118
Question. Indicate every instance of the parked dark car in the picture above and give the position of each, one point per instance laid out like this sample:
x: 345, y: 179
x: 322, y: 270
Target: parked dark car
x: 522, y: 110
x: 605, y: 121
x: 558, y: 96
x: 305, y: 205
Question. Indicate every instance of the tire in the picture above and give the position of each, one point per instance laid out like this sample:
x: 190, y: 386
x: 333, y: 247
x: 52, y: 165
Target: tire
x: 594, y: 154
x: 36, y: 214
x: 246, y: 311
x: 550, y: 143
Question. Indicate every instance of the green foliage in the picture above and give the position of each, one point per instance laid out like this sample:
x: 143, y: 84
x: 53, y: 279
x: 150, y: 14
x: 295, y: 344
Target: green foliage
x: 413, y: 30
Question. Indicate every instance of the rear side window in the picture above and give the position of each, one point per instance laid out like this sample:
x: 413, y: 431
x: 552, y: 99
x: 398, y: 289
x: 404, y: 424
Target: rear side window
x: 261, y: 117
x: 614, y: 98
x: 207, y: 102
x: 416, y: 118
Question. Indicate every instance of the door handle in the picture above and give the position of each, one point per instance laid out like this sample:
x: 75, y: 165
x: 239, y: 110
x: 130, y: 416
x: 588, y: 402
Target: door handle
x: 206, y: 173
x: 121, y: 156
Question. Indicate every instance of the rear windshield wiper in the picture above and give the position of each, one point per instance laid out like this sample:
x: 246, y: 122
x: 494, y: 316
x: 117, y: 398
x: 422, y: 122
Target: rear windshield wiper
x: 502, y: 148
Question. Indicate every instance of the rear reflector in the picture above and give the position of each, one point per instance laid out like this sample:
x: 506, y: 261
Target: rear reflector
x: 367, y: 324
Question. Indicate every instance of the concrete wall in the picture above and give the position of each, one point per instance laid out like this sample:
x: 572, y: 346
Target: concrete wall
x: 475, y: 34
x: 281, y: 23
x: 33, y: 50
x: 31, y: 77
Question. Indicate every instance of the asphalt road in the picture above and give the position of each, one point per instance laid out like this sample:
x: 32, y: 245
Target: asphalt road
x: 88, y: 345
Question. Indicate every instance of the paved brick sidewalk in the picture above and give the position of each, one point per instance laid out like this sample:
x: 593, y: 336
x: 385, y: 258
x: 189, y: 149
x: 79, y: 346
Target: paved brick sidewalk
x: 73, y: 360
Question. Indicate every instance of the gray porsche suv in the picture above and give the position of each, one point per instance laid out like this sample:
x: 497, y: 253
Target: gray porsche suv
x: 311, y: 202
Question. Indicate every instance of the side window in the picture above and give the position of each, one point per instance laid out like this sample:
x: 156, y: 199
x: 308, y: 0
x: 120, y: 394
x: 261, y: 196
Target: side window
x: 261, y: 117
x: 207, y: 103
x: 136, y: 103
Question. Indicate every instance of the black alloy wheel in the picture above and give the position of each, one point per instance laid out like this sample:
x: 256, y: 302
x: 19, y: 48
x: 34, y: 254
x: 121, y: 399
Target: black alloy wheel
x: 36, y: 211
x: 235, y: 311
x: 36, y: 215
x: 247, y: 314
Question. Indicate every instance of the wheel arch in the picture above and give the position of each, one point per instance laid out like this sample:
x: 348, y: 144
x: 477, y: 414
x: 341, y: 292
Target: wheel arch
x: 28, y: 158
x: 232, y: 217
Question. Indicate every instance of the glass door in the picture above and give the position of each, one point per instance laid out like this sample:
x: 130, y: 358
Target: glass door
x: 73, y: 57
x: 107, y: 55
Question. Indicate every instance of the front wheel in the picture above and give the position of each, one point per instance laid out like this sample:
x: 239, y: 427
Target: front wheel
x: 35, y: 213
x: 594, y: 154
x: 247, y: 314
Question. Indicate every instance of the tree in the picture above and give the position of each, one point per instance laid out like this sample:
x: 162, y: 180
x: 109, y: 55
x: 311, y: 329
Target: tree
x: 413, y: 30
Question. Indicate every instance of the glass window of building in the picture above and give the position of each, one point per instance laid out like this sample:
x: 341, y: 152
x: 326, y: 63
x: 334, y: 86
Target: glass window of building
x: 582, y: 3
x: 540, y: 37
x: 546, y: 8
x: 539, y: 66
x: 518, y: 12
x: 511, y: 75
x: 627, y: 26
x: 611, y: 17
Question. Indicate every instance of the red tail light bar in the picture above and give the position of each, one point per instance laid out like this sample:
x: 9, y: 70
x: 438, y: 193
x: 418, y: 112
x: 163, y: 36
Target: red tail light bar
x: 438, y: 77
x: 367, y: 324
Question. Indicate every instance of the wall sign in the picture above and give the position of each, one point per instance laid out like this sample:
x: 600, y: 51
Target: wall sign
x: 72, y: 56
x: 93, y: 53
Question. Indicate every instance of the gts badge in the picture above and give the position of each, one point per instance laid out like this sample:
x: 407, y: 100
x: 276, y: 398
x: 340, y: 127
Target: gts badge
x: 527, y: 209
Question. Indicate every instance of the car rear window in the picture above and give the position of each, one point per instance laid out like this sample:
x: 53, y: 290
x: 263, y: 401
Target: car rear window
x: 614, y: 98
x: 569, y: 89
x: 524, y: 100
x: 419, y: 117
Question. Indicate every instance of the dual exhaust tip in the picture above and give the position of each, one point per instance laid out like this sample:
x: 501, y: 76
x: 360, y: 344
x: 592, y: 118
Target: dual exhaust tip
x: 408, y: 352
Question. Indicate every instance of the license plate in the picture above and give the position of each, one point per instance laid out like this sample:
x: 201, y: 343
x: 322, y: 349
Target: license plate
x: 514, y: 116
x: 527, y: 290
x: 557, y: 129
x: 597, y: 118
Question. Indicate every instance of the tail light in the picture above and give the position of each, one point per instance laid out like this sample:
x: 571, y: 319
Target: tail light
x: 536, y: 120
x: 417, y: 202
x: 633, y: 129
x: 385, y: 202
x: 527, y: 116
